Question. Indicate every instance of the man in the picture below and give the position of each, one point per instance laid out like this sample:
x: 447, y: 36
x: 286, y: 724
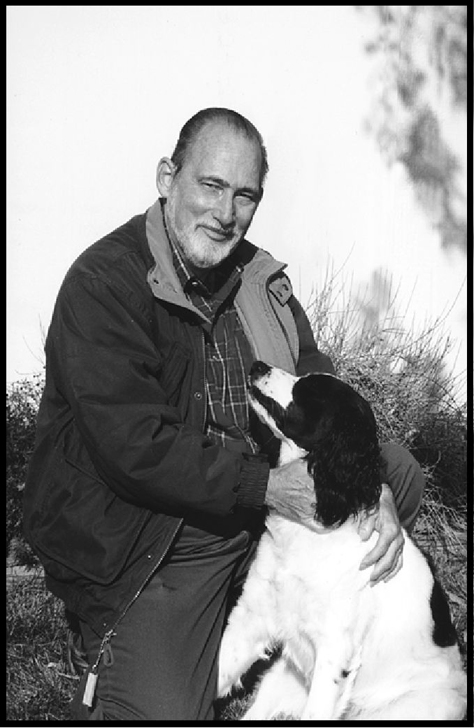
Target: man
x: 146, y: 490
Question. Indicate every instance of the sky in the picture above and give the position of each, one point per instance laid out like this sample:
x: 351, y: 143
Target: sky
x: 96, y: 95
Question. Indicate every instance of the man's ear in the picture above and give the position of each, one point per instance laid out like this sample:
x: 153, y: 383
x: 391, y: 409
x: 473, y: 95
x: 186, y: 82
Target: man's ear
x: 165, y: 173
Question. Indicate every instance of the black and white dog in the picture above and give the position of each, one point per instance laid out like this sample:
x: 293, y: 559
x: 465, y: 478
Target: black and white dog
x: 349, y: 651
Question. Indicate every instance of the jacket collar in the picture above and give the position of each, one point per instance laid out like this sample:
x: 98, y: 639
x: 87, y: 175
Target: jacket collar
x: 162, y: 277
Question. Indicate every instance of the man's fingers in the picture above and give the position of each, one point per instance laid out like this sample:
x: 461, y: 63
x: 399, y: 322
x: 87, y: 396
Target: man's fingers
x: 367, y: 523
x: 366, y: 528
x: 388, y: 566
x: 385, y: 551
x: 396, y: 569
x: 388, y: 575
x: 375, y: 554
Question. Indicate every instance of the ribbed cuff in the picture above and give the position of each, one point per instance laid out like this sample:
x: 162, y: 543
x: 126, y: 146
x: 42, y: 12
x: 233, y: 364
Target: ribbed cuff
x: 253, y: 482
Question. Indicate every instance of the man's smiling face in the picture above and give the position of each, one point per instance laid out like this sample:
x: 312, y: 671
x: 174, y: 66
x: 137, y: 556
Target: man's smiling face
x: 212, y: 199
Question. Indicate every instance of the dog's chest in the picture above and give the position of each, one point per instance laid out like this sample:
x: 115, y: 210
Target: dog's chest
x: 314, y: 579
x: 309, y: 588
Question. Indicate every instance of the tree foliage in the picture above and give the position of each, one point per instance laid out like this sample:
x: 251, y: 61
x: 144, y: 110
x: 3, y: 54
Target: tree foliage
x: 420, y: 54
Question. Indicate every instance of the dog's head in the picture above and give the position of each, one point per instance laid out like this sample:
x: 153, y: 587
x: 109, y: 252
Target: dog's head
x: 323, y: 419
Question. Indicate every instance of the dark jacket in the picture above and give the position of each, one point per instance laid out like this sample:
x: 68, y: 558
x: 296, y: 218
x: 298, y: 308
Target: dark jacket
x: 120, y: 458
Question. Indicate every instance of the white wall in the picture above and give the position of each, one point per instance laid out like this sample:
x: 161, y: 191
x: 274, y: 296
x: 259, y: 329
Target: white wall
x: 96, y: 95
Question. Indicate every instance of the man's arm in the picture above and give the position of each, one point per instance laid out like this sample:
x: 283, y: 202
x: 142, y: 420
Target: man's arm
x: 290, y: 492
x: 105, y: 364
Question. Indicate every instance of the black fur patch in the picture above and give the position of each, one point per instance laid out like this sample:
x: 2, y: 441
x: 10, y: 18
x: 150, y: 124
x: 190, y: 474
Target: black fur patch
x: 275, y: 410
x: 269, y: 445
x: 339, y: 431
x: 444, y: 633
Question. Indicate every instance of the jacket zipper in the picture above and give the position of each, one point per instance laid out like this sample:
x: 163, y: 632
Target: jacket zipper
x: 94, y: 670
x: 204, y: 393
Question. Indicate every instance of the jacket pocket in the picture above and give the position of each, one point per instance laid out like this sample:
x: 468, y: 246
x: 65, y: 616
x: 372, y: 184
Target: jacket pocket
x: 80, y: 527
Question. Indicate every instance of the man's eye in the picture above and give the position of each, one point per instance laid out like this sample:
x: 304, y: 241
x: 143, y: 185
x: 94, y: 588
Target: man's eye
x: 247, y: 198
x: 211, y: 186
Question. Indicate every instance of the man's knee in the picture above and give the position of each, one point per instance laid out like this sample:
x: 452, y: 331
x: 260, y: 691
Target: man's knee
x: 405, y: 477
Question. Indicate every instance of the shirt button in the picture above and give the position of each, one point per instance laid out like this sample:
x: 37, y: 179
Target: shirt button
x: 197, y: 395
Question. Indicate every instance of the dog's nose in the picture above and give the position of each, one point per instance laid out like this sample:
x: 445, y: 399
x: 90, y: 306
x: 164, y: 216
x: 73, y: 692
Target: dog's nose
x: 259, y: 368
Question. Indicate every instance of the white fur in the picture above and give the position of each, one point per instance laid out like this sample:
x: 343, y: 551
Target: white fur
x: 350, y: 651
x: 278, y: 385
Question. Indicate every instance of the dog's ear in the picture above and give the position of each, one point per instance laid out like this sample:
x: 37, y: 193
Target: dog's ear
x: 345, y: 462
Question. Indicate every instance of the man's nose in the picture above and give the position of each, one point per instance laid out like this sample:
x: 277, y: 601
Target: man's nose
x: 224, y: 210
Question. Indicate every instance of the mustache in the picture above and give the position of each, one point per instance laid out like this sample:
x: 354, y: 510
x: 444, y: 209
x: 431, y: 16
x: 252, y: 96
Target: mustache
x: 227, y: 230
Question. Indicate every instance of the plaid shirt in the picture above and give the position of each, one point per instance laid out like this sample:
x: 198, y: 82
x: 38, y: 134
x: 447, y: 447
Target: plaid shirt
x: 227, y: 351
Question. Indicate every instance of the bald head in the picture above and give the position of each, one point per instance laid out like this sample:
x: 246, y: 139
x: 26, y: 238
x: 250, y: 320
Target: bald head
x: 222, y: 116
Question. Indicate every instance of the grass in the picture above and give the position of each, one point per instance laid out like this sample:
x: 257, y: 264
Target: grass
x: 415, y: 402
x: 39, y: 684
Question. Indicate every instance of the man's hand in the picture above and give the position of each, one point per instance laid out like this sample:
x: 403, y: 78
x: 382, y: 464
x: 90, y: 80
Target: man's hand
x: 387, y: 552
x: 290, y: 492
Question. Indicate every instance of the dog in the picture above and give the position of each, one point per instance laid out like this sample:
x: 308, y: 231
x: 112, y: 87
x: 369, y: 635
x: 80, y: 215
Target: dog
x: 348, y: 650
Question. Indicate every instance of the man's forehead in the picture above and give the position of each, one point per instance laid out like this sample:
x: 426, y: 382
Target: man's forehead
x: 216, y: 137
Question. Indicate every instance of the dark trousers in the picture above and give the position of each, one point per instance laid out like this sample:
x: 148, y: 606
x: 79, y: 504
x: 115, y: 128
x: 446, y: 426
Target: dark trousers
x: 162, y: 663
